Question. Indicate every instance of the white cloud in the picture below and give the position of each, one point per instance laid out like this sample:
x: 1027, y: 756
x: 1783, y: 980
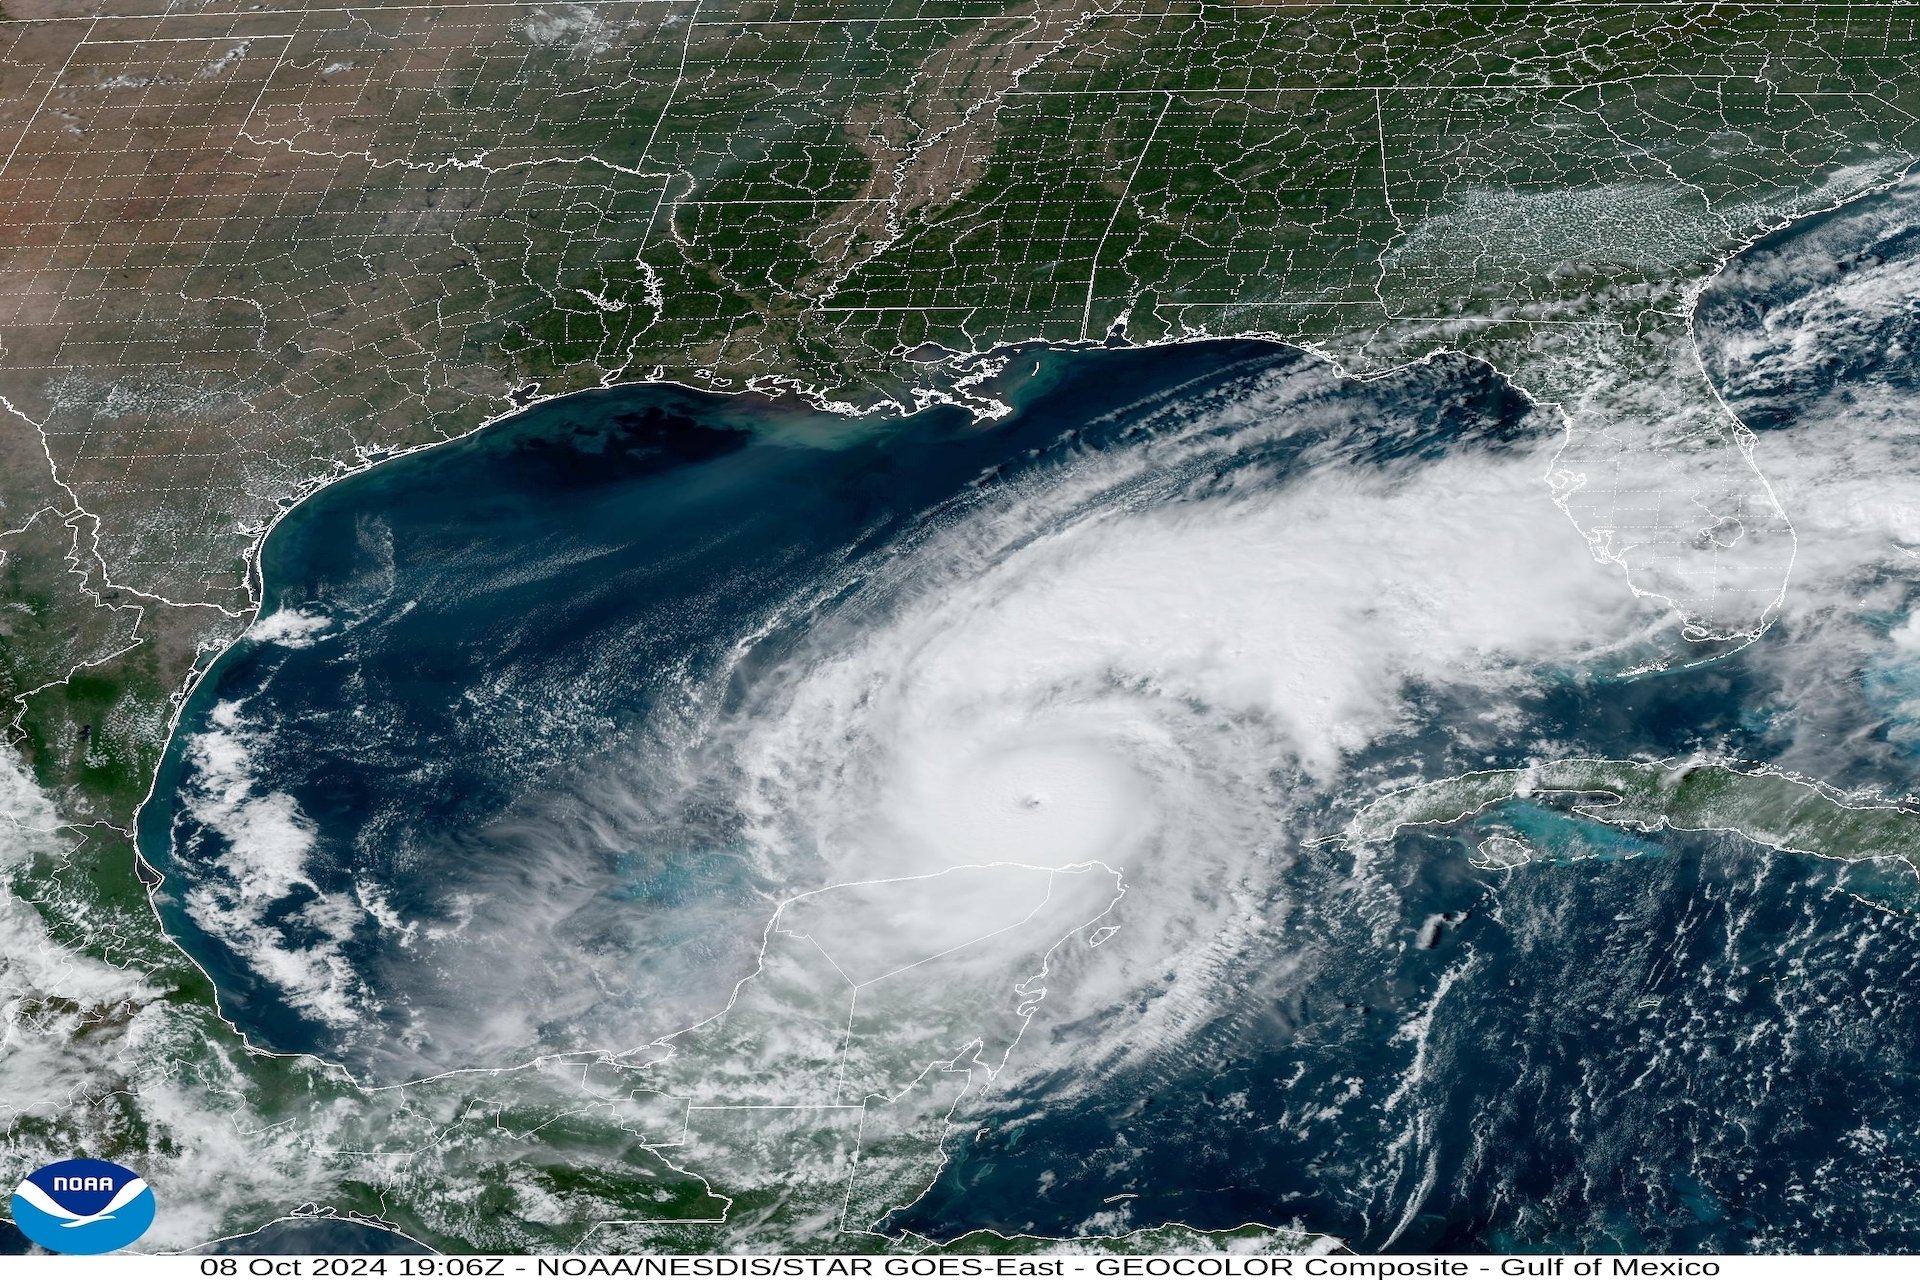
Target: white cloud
x: 1814, y: 335
x: 291, y: 628
x: 79, y: 1037
x: 1113, y: 662
x: 1058, y: 676
x: 27, y: 817
x: 262, y: 866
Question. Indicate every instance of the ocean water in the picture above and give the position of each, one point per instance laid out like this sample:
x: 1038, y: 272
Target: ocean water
x: 317, y: 1236
x: 539, y: 727
x: 468, y: 630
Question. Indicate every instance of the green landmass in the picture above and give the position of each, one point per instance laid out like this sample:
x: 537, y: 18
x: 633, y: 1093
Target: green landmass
x: 301, y: 239
x: 1772, y: 809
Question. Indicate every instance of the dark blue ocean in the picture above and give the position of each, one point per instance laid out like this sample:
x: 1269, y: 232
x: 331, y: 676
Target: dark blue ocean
x: 387, y: 830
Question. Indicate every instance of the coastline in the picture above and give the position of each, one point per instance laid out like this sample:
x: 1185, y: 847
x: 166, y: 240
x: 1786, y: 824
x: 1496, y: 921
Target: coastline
x: 372, y: 460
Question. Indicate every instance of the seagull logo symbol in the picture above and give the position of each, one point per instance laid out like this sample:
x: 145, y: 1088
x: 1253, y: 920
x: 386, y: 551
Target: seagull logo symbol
x: 83, y: 1206
x: 33, y: 1195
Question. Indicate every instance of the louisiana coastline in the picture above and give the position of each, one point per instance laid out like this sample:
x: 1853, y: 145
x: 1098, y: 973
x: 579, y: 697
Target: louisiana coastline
x: 538, y: 731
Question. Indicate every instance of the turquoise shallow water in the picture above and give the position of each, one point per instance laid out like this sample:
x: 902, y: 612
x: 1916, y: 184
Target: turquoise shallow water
x: 458, y: 802
x: 500, y: 612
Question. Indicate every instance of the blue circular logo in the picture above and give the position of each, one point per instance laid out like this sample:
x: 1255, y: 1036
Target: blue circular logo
x: 83, y: 1206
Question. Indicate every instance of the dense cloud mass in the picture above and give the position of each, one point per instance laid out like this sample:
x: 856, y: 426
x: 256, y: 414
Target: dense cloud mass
x: 766, y: 719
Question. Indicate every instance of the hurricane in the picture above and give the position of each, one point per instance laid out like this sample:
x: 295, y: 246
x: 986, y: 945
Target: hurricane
x: 1000, y: 776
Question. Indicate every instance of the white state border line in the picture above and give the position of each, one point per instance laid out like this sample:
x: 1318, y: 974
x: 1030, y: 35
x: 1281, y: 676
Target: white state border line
x: 982, y: 359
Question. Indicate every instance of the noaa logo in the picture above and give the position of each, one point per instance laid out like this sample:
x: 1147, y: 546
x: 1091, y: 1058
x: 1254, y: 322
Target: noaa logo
x: 83, y: 1206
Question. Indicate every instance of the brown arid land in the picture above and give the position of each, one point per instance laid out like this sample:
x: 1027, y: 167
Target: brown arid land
x: 247, y: 249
